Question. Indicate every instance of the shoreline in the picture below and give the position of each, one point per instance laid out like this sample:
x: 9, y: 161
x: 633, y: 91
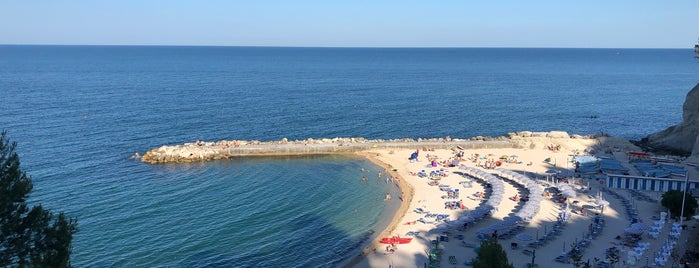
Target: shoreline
x: 407, y: 198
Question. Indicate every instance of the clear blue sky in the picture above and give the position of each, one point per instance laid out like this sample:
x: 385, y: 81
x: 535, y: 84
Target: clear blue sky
x: 399, y: 23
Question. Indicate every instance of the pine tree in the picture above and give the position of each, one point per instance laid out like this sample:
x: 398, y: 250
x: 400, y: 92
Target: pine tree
x: 491, y: 255
x: 673, y: 200
x: 28, y: 236
x: 576, y: 255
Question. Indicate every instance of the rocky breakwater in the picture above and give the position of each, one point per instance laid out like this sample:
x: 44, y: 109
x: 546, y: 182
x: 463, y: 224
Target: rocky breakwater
x: 683, y: 137
x: 207, y: 151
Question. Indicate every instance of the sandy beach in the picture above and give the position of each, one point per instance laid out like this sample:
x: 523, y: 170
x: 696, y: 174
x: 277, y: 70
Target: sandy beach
x: 457, y: 243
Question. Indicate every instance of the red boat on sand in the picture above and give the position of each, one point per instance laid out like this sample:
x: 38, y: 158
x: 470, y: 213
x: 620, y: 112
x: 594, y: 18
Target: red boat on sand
x: 396, y: 240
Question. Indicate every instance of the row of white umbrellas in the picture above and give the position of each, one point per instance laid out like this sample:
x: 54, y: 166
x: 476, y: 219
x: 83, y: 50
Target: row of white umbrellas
x: 531, y: 207
x: 486, y: 208
x: 528, y: 210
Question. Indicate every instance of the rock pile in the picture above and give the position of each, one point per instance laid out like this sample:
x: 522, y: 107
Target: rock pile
x: 206, y: 151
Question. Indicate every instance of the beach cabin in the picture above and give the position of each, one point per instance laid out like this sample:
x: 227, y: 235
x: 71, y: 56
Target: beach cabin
x: 648, y: 183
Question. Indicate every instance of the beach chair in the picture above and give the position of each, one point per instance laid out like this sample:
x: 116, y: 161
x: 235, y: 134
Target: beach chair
x: 468, y: 245
x: 563, y: 259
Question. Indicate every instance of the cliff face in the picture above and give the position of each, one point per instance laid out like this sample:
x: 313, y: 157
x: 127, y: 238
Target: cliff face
x: 683, y: 136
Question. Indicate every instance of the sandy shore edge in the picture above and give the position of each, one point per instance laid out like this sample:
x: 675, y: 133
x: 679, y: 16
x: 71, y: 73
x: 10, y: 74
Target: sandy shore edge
x: 408, y: 193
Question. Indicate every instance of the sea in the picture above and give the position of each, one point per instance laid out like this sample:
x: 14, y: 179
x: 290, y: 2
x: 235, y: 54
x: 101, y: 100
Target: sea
x: 78, y: 113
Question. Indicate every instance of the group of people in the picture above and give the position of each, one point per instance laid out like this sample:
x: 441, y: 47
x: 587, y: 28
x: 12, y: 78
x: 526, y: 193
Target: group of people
x: 554, y: 147
x: 455, y: 205
x: 489, y: 164
x: 391, y: 248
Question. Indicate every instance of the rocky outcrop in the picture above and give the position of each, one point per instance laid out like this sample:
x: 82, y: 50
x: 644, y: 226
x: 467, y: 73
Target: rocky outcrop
x: 694, y: 158
x: 682, y: 137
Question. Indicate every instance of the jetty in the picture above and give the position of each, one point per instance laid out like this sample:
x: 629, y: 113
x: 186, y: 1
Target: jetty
x: 200, y: 151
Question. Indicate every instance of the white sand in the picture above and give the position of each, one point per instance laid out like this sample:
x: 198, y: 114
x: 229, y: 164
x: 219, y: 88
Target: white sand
x: 430, y: 199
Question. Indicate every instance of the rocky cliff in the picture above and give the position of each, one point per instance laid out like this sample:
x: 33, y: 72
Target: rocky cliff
x: 682, y: 137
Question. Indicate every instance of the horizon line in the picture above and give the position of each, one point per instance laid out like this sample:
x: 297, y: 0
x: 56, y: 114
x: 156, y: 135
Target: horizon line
x: 368, y: 47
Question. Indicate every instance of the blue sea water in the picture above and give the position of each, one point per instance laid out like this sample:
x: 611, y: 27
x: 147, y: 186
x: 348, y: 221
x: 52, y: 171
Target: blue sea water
x: 79, y: 112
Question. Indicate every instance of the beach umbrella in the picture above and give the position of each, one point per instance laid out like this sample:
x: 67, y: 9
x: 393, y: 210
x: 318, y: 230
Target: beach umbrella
x: 443, y: 226
x: 640, y: 226
x: 514, y: 218
x: 524, y: 237
x: 632, y: 230
x: 602, y: 202
x: 568, y: 193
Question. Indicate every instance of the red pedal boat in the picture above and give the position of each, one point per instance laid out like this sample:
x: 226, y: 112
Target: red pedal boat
x: 396, y: 240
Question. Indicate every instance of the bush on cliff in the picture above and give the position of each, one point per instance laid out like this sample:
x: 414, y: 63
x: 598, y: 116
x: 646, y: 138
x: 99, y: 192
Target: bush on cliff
x: 29, y: 237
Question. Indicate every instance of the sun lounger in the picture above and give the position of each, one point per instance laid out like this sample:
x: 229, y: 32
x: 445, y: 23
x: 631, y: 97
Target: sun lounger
x: 468, y: 245
x: 424, y: 221
x: 563, y: 259
x: 412, y: 233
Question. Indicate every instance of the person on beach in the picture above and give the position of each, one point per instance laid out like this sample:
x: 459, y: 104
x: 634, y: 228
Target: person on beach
x: 388, y: 197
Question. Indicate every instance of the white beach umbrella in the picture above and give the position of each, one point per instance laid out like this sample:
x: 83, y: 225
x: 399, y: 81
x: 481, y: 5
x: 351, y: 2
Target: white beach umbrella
x: 602, y: 202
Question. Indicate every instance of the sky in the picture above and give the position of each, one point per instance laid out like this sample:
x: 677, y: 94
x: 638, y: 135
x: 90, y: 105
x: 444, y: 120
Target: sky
x: 357, y: 23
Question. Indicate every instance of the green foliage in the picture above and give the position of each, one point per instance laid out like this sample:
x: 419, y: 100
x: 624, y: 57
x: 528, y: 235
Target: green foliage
x: 587, y: 264
x: 491, y: 255
x: 28, y: 236
x: 612, y: 255
x: 673, y: 200
x: 576, y: 255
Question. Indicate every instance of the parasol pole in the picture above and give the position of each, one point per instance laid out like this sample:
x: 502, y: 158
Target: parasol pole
x: 564, y: 246
x: 684, y: 195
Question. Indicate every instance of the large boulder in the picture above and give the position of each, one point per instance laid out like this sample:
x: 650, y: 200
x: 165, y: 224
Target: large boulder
x: 681, y: 137
x: 558, y: 135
